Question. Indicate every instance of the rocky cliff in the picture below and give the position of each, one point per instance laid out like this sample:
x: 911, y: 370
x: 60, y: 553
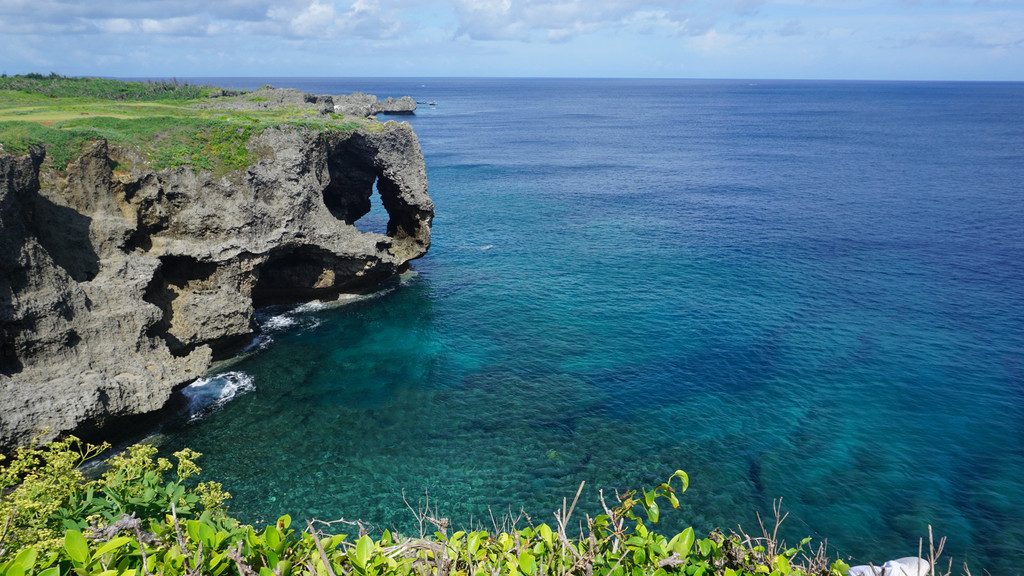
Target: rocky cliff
x: 118, y: 287
x: 268, y: 97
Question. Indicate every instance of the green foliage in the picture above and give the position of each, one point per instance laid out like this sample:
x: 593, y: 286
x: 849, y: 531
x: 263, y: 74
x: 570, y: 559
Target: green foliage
x: 46, y: 499
x: 160, y: 120
x: 141, y: 517
x: 169, y: 142
x: 36, y: 484
x: 57, y: 86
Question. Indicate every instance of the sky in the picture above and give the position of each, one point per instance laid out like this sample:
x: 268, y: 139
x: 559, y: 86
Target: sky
x: 755, y: 39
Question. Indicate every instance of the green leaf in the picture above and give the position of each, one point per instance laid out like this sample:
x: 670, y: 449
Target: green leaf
x: 653, y: 512
x: 54, y: 571
x: 364, y: 547
x: 272, y: 536
x: 683, y: 478
x: 284, y: 522
x: 14, y: 570
x: 77, y: 547
x: 206, y: 535
x: 682, y: 542
x: 192, y: 529
x: 782, y: 564
x: 839, y: 568
x: 545, y: 532
x: 705, y: 546
x: 527, y: 564
x: 26, y: 559
x: 113, y: 544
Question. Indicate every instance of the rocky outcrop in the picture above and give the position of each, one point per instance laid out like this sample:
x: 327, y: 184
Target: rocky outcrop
x: 359, y: 104
x: 118, y: 287
x: 267, y: 98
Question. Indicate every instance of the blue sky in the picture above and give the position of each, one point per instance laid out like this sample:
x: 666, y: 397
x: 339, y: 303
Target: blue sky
x: 853, y: 39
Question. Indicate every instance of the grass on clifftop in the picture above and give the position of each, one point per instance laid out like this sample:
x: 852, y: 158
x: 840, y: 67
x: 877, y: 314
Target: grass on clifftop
x: 159, y: 119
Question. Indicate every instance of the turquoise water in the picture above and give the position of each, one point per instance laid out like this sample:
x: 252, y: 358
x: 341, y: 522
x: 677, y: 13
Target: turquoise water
x: 812, y: 291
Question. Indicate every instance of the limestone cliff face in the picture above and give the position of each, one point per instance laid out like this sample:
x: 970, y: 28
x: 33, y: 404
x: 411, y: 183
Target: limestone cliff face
x: 116, y: 288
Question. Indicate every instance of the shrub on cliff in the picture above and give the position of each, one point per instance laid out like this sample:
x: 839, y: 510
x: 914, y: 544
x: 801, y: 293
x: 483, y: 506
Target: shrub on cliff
x: 56, y: 86
x: 133, y: 521
x: 45, y: 494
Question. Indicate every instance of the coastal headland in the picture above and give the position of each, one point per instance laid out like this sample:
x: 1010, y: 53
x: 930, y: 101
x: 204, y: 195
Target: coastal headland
x: 141, y: 224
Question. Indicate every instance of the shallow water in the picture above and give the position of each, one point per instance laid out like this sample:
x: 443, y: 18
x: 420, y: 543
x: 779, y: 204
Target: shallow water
x: 803, y: 290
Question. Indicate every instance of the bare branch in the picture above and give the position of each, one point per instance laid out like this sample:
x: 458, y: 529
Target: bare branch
x: 319, y: 548
x: 235, y: 555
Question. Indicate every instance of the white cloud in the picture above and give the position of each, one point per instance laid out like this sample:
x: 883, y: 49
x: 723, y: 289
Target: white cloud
x: 366, y: 19
x: 116, y: 26
x: 315, y: 20
x: 183, y: 26
x: 510, y: 37
x: 558, y: 20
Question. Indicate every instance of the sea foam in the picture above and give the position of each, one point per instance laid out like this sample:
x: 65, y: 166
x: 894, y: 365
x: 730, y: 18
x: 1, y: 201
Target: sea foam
x: 208, y: 394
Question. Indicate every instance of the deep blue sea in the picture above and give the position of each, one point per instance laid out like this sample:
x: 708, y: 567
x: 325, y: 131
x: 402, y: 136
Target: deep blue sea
x: 811, y: 291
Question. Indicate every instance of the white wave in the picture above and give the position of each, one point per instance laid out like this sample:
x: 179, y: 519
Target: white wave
x: 279, y: 318
x: 311, y: 306
x: 279, y: 322
x: 208, y: 394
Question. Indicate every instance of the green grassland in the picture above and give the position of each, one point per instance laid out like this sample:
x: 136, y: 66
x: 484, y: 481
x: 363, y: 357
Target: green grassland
x: 162, y: 120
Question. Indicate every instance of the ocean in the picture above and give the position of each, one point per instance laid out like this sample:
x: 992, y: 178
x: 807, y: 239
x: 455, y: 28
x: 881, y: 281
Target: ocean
x: 806, y: 291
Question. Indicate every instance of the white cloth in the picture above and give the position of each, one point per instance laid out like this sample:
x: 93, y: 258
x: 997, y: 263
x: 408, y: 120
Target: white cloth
x: 909, y: 566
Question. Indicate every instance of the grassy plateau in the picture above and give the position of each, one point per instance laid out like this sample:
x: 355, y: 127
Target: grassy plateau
x: 171, y: 123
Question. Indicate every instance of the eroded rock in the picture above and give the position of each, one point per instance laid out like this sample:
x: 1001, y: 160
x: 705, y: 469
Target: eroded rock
x: 360, y: 104
x: 118, y: 288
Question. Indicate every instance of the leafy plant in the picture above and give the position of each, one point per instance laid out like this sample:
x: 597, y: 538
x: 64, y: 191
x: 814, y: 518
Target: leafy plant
x: 144, y: 516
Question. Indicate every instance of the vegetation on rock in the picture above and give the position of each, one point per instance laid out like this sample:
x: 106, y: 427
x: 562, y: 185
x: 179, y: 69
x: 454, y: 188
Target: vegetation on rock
x: 162, y: 120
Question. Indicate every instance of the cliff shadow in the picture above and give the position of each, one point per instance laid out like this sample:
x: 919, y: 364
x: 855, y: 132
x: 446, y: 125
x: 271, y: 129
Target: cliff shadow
x: 301, y: 273
x: 64, y: 234
x: 174, y: 276
x: 10, y: 364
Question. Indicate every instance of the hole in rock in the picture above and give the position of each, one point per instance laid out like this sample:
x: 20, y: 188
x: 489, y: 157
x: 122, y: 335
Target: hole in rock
x: 376, y: 220
x: 302, y: 273
x: 359, y: 194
